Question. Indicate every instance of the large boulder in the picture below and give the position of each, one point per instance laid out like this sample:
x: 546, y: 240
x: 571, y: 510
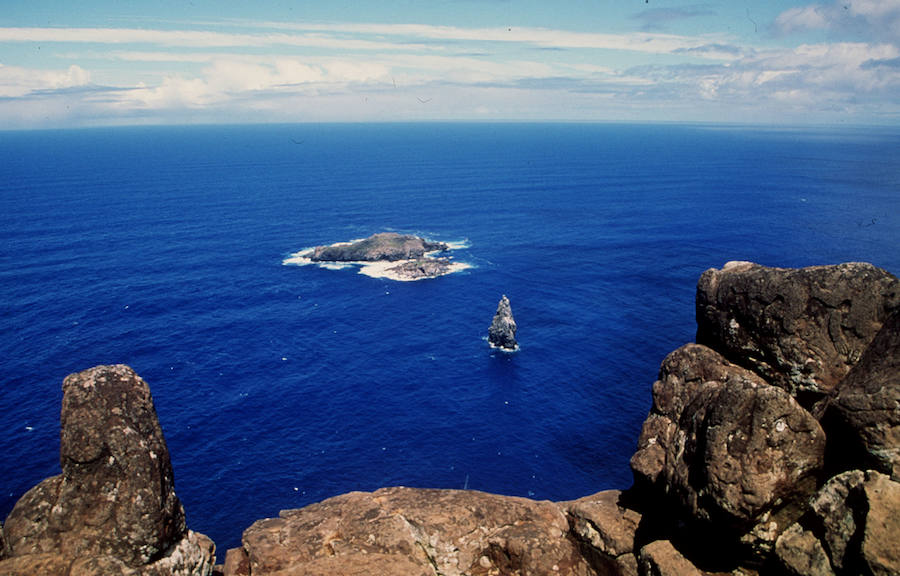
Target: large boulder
x: 407, y: 532
x: 800, y: 329
x: 864, y: 419
x: 113, y: 509
x: 726, y: 446
x: 851, y: 528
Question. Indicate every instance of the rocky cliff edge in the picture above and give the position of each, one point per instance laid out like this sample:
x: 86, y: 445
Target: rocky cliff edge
x: 772, y: 446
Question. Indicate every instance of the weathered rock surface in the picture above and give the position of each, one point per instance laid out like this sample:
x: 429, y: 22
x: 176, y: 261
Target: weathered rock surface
x: 800, y: 329
x: 2, y: 543
x: 726, y: 445
x: 405, y: 531
x: 864, y: 418
x: 660, y: 558
x: 502, y: 333
x: 113, y: 509
x: 388, y: 246
x: 852, y: 527
x: 606, y: 530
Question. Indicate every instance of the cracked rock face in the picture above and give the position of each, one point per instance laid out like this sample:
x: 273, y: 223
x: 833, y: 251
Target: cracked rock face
x: 800, y: 329
x: 406, y: 531
x: 851, y: 528
x: 726, y: 445
x: 866, y: 411
x: 114, y: 503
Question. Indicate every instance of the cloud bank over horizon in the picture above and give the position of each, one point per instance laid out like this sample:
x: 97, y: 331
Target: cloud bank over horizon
x: 811, y: 63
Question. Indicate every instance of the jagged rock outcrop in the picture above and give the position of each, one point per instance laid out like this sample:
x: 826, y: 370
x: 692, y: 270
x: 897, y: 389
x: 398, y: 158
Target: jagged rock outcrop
x: 864, y: 418
x: 388, y: 246
x: 406, y: 532
x: 113, y: 510
x: 502, y: 333
x: 3, y: 551
x: 726, y: 445
x: 800, y: 329
x: 851, y: 527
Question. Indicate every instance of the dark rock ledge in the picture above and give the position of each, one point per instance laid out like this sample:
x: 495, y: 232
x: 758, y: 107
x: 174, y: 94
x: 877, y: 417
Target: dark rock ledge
x: 772, y: 446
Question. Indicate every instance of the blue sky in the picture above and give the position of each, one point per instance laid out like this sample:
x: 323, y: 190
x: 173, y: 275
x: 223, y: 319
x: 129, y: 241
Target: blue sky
x: 200, y: 61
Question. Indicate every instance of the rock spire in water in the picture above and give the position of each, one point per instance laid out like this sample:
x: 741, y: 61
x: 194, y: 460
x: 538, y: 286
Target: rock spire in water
x: 502, y: 333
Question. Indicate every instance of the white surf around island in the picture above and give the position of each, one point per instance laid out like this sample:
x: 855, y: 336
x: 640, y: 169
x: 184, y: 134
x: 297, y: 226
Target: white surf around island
x: 381, y: 268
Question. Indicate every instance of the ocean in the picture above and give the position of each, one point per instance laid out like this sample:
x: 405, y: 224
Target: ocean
x: 278, y: 386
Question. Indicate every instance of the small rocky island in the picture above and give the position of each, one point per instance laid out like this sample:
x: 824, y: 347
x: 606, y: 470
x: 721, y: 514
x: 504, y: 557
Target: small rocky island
x: 402, y: 257
x: 502, y: 333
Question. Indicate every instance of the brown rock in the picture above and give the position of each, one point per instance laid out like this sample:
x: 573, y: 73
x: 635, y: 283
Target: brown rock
x: 414, y: 531
x: 726, y: 445
x: 801, y: 554
x: 880, y: 547
x: 864, y: 418
x: 3, y: 551
x: 114, y: 502
x: 606, y: 530
x: 800, y: 329
x: 47, y: 564
x: 237, y: 563
x: 660, y: 558
x: 685, y: 375
x: 854, y: 520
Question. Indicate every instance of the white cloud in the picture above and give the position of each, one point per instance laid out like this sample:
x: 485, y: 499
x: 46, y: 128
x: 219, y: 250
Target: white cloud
x: 813, y: 17
x: 877, y: 19
x: 17, y: 82
x: 349, y: 37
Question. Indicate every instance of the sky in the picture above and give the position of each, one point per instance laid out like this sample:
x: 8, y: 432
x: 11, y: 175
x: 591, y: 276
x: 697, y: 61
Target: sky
x: 132, y: 62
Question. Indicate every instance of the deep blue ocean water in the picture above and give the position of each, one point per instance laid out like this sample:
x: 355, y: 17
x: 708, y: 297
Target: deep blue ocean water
x: 278, y: 386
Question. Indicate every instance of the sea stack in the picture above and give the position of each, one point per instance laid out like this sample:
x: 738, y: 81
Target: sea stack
x: 502, y: 333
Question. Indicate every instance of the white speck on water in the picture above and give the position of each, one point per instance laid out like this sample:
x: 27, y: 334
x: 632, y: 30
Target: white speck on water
x: 29, y: 428
x: 284, y: 359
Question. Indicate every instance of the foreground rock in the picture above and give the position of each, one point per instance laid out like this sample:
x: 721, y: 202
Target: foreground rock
x: 385, y: 246
x: 865, y: 416
x: 502, y: 333
x: 407, y: 532
x: 852, y: 528
x: 800, y: 329
x: 727, y: 450
x: 113, y: 510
